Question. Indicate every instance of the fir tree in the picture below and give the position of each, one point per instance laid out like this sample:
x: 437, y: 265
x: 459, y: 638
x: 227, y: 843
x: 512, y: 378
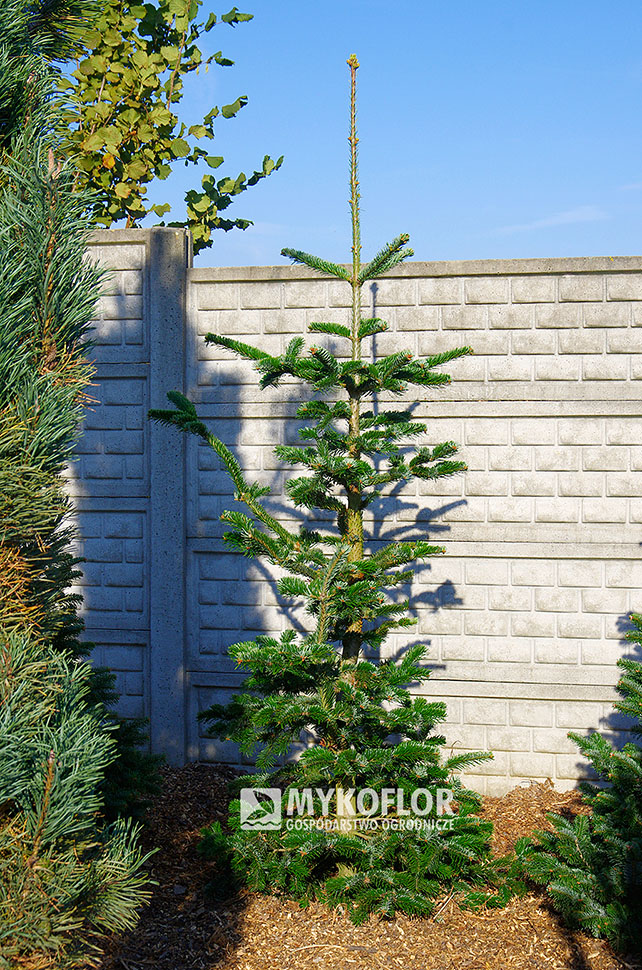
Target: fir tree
x: 361, y: 726
x: 48, y: 293
x: 64, y: 875
x: 592, y: 866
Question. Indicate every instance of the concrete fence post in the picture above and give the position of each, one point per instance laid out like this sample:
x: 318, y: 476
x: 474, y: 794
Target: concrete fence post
x: 169, y: 259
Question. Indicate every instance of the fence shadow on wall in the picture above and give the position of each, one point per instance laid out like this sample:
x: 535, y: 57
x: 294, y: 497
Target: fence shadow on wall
x: 107, y: 482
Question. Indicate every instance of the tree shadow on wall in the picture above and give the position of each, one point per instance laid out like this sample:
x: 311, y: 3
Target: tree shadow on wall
x: 383, y: 526
x: 394, y: 517
x: 397, y: 516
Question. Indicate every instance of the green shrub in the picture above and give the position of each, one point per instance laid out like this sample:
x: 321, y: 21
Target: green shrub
x: 48, y: 293
x: 592, y: 866
x: 64, y: 878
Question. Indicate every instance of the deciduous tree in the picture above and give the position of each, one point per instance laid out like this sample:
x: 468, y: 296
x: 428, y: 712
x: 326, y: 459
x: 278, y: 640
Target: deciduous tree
x: 125, y: 130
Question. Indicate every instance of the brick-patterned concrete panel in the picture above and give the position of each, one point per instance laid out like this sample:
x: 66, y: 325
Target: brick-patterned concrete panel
x: 486, y: 290
x: 440, y: 291
x: 581, y: 288
x: 533, y: 289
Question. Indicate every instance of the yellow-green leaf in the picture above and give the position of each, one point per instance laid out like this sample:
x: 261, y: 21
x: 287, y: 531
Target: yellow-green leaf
x: 201, y: 205
x: 93, y: 143
x: 179, y: 148
x: 229, y: 110
x: 136, y: 169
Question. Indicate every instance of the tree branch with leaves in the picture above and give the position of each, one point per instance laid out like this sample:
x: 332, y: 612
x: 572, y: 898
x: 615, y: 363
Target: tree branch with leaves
x: 123, y: 121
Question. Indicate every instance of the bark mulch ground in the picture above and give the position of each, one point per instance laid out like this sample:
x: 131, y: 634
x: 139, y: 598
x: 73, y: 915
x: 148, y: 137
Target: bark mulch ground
x: 185, y: 929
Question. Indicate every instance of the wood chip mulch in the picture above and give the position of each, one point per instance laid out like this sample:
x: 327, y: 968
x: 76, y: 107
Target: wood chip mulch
x: 183, y: 928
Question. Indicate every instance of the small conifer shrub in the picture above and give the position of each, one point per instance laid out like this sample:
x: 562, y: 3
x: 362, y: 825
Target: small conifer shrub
x: 592, y: 866
x: 331, y: 687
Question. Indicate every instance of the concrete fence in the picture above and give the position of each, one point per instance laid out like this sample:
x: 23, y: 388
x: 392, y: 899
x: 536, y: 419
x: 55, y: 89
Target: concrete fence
x: 525, y: 613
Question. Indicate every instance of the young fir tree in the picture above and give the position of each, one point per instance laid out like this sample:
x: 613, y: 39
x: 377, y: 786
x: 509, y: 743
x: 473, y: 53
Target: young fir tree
x: 363, y: 729
x: 592, y: 866
x: 64, y: 875
x: 47, y: 297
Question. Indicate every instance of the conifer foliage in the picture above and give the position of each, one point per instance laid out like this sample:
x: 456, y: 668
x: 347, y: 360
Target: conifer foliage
x: 64, y: 874
x: 64, y: 879
x: 592, y: 866
x: 333, y: 687
x: 47, y: 297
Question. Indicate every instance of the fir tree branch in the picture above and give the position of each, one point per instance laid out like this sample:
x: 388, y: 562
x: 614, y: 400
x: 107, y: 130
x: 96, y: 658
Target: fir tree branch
x: 314, y: 262
x: 387, y: 257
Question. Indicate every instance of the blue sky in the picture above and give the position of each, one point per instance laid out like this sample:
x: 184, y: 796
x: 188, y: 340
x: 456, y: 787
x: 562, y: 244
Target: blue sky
x: 496, y: 129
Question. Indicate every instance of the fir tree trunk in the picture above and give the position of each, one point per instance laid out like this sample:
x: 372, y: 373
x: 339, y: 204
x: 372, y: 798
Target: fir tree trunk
x: 354, y: 524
